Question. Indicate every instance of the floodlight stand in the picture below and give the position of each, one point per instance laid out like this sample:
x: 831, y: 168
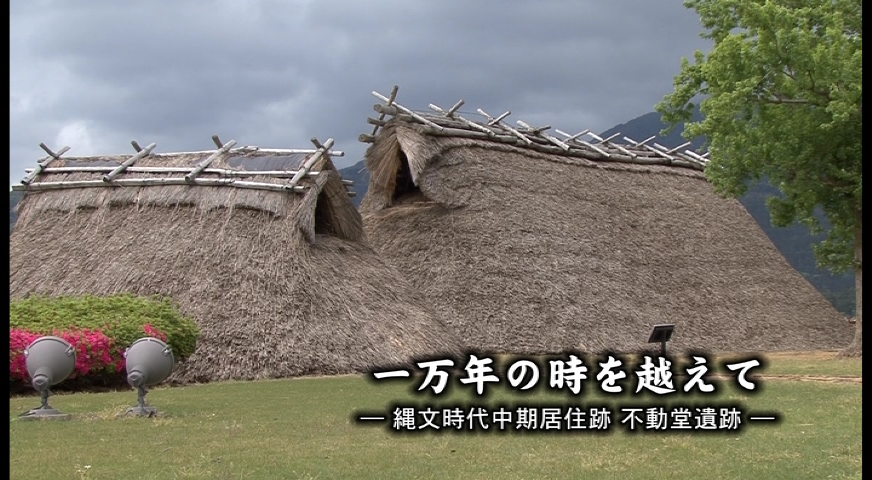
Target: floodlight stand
x: 142, y: 409
x: 663, y: 348
x: 45, y: 411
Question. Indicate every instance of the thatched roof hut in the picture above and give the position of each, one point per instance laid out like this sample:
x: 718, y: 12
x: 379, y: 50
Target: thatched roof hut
x: 262, y: 248
x: 533, y: 244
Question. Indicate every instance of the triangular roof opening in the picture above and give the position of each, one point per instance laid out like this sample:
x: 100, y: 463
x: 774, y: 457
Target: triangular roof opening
x: 333, y: 210
x: 406, y: 190
x: 538, y: 244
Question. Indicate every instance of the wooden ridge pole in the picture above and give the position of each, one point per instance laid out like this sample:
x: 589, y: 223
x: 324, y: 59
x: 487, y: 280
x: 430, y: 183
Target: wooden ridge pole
x: 389, y: 102
x: 450, y: 113
x: 499, y: 122
x: 407, y: 111
x: 322, y: 150
x: 144, y: 182
x: 40, y: 165
x: 205, y: 163
x: 130, y: 161
x: 540, y: 131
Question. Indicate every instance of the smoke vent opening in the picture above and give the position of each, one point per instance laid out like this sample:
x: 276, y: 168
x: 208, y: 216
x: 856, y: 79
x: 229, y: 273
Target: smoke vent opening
x: 406, y: 191
x: 326, y: 221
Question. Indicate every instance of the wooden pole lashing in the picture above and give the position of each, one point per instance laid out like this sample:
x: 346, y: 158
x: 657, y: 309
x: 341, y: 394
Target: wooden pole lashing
x: 540, y: 131
x: 205, y: 163
x: 498, y: 121
x: 385, y: 110
x: 130, y: 161
x: 673, y: 150
x: 500, y: 118
x: 389, y: 102
x: 608, y: 142
x: 407, y: 111
x: 699, y: 158
x: 450, y: 114
x: 575, y: 139
x: 322, y: 150
x: 569, y: 137
x: 142, y: 182
x: 649, y: 147
x: 658, y: 151
x: 212, y: 171
x: 40, y: 165
x: 319, y: 146
x: 594, y: 147
x: 643, y: 142
x: 453, y: 109
x: 664, y: 151
x: 608, y: 139
x: 684, y: 156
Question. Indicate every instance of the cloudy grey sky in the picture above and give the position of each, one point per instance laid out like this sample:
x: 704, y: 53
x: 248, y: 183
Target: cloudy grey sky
x: 97, y: 74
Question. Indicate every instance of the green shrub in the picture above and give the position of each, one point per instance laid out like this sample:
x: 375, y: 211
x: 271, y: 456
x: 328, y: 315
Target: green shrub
x: 120, y: 317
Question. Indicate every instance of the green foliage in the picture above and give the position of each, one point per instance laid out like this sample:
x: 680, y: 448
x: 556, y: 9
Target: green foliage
x: 120, y: 317
x: 782, y: 98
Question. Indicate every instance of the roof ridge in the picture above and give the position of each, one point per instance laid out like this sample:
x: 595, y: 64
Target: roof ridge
x: 452, y: 123
x: 190, y: 174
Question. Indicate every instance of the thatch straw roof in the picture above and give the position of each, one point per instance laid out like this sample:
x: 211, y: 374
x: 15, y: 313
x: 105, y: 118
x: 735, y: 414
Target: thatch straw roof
x: 281, y: 282
x: 534, y: 248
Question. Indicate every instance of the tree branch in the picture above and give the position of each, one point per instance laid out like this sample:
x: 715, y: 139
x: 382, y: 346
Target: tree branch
x: 777, y: 99
x: 822, y: 93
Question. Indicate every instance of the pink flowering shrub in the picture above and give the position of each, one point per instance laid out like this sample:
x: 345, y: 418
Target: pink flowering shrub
x: 19, y: 340
x: 100, y: 329
x: 153, y: 332
x: 96, y: 353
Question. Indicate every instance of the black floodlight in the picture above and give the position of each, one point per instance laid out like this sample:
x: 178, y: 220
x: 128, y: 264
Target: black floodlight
x: 149, y: 362
x: 661, y: 334
x: 50, y: 360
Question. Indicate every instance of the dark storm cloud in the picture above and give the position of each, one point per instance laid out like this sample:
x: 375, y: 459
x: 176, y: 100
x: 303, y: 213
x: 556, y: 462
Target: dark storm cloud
x: 275, y: 73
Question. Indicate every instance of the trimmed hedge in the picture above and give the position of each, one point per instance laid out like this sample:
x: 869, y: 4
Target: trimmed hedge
x: 100, y: 328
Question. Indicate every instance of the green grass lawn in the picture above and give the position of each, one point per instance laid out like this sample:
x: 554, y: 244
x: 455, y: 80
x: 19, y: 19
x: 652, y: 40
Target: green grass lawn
x: 306, y: 428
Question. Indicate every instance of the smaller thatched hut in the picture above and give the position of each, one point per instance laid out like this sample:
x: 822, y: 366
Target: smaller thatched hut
x: 262, y: 248
x: 531, y: 243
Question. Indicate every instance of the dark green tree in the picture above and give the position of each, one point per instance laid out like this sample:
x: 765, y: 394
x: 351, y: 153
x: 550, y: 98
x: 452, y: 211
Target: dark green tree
x: 781, y: 97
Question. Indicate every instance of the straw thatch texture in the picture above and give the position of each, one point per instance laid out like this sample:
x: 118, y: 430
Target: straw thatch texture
x: 281, y: 284
x: 528, y: 252
x: 204, y: 199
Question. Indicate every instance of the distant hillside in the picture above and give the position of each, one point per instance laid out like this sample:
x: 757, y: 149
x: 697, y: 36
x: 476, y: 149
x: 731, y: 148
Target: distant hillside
x: 360, y: 176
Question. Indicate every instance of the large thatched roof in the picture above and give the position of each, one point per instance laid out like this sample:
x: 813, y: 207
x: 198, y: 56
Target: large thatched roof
x: 530, y: 246
x: 279, y: 277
